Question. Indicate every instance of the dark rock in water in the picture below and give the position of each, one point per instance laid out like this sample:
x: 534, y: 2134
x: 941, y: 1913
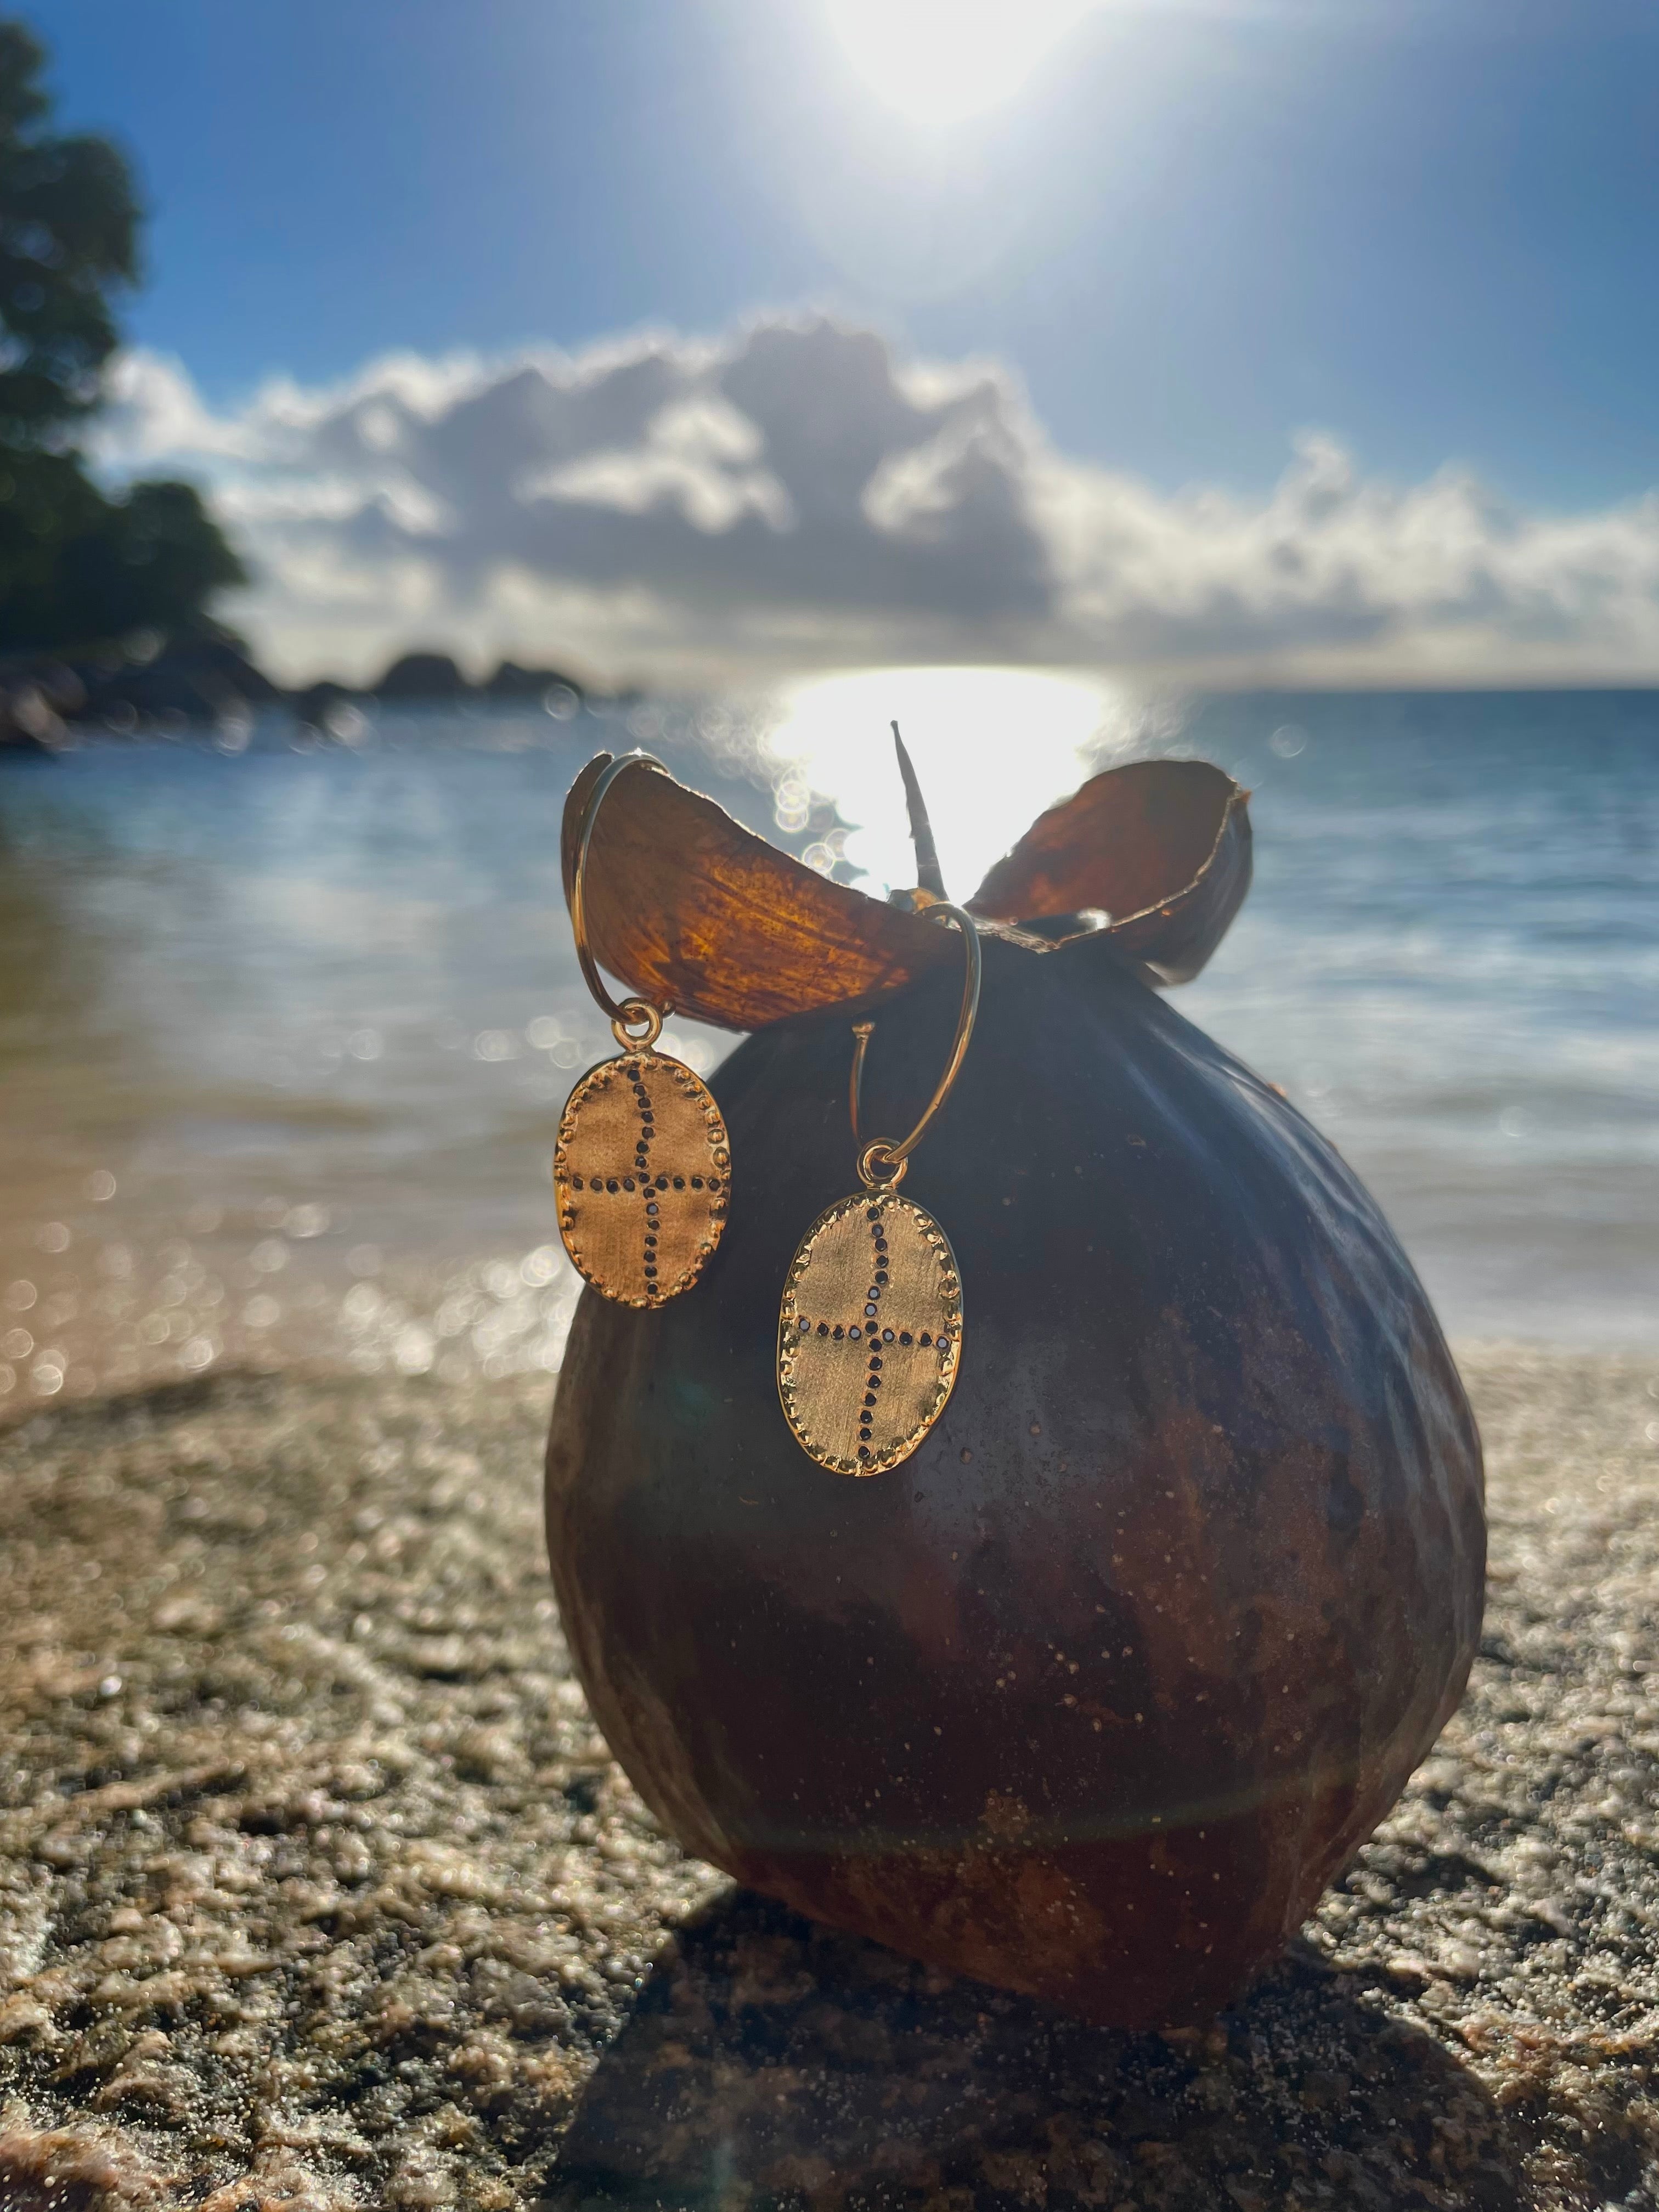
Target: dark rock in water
x: 204, y: 681
x: 58, y: 683
x: 36, y: 693
x: 1093, y: 1695
x: 320, y: 703
x: 512, y: 682
x: 423, y: 676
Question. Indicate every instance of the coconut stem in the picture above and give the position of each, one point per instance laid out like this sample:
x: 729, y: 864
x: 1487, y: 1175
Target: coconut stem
x: 928, y: 875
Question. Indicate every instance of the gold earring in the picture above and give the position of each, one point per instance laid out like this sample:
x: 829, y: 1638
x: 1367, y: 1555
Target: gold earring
x: 870, y: 1329
x: 642, y: 1168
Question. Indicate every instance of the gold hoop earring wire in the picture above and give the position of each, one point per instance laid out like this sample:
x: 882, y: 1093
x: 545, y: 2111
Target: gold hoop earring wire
x: 879, y: 1152
x: 629, y: 1011
x: 641, y: 1169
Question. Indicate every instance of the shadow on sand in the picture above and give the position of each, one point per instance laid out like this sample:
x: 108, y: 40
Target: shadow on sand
x: 772, y: 2063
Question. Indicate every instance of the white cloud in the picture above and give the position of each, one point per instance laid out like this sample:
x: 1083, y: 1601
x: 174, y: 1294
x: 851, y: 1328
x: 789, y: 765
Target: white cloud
x: 794, y: 494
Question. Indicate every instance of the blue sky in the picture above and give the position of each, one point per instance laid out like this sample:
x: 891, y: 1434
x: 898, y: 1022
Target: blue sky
x: 1195, y: 233
x: 1433, y: 230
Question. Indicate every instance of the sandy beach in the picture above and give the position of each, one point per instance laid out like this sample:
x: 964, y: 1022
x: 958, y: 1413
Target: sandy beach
x: 319, y: 1890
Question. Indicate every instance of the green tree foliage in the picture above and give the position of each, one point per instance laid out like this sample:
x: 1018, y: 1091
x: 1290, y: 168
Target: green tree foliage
x: 76, y: 567
x: 77, y: 570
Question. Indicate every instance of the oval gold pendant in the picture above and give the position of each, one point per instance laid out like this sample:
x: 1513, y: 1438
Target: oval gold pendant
x: 642, y: 1171
x: 870, y: 1333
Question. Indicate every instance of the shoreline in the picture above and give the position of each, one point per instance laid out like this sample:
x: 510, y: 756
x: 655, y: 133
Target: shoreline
x: 328, y: 1372
x: 318, y: 1888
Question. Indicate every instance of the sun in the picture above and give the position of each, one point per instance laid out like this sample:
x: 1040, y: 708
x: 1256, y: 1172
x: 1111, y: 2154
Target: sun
x: 939, y: 61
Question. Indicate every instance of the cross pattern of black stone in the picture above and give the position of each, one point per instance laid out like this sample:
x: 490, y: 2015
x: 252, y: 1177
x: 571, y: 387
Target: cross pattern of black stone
x: 639, y: 1180
x: 867, y: 1330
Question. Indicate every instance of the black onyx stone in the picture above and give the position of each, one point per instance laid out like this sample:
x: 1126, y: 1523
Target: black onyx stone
x: 662, y: 1182
x: 838, y: 1332
x: 679, y: 1182
x: 713, y: 1183
x: 926, y: 1338
x: 611, y: 1182
x: 824, y: 1328
x: 905, y: 1336
x: 864, y: 1451
x: 875, y: 1381
x: 628, y: 1182
x: 874, y: 1214
x: 875, y: 1360
x: 696, y: 1182
x: 868, y: 1399
x: 865, y: 1434
x: 881, y: 1274
x: 575, y: 1183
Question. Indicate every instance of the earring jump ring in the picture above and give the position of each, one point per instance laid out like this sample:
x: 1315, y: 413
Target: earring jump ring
x: 637, y: 1010
x: 877, y: 1155
x: 879, y: 1151
x: 629, y: 1010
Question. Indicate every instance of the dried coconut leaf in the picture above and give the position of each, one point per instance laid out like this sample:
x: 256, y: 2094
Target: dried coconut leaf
x: 694, y: 911
x: 1161, y: 847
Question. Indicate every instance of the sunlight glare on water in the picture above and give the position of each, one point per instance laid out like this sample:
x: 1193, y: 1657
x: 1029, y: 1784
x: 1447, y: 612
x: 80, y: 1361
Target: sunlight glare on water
x: 992, y: 747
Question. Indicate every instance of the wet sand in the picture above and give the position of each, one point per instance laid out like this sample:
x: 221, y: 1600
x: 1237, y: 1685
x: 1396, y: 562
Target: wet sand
x: 317, y: 1889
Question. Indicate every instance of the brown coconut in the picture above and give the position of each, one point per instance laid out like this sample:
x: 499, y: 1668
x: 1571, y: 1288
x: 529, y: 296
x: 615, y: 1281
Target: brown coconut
x: 1092, y: 1695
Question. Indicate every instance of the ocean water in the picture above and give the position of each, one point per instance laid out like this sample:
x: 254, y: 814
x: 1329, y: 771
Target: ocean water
x: 285, y: 1027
